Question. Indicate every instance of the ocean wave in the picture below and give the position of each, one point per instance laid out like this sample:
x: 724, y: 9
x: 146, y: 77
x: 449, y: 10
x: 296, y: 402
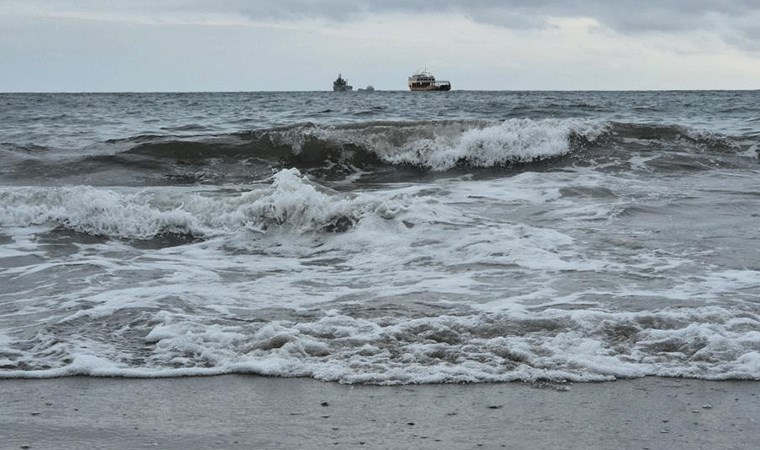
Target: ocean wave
x: 673, y: 133
x: 331, y: 151
x: 552, y: 345
x: 432, y: 145
x: 440, y: 146
x: 94, y: 211
x: 290, y: 202
x: 435, y: 146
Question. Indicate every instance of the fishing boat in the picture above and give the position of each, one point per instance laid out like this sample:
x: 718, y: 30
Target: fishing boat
x: 341, y: 85
x: 425, y: 81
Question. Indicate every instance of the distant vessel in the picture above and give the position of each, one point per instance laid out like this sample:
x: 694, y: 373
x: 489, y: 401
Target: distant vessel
x: 369, y: 88
x: 425, y: 81
x: 341, y: 85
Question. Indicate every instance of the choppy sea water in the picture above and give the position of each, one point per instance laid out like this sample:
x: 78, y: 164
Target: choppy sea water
x: 384, y: 237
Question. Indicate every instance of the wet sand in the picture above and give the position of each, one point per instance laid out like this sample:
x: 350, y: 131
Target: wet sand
x: 238, y: 411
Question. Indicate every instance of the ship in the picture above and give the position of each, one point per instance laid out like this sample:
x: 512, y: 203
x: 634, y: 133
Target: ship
x: 341, y: 85
x: 425, y: 81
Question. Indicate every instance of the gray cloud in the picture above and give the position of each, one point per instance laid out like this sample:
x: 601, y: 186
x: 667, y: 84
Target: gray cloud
x: 734, y: 21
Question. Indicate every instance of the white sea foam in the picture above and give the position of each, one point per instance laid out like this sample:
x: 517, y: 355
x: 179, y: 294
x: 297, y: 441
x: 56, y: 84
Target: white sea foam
x: 456, y: 280
x: 551, y: 345
x: 515, y: 140
x: 93, y: 211
x: 290, y: 202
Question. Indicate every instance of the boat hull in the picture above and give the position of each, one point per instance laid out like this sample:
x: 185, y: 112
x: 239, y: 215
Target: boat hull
x: 445, y: 87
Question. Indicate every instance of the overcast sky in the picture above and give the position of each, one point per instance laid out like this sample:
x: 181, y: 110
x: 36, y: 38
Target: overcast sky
x: 258, y: 45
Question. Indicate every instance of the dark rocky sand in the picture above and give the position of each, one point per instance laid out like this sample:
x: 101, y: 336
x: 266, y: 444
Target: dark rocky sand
x: 274, y: 413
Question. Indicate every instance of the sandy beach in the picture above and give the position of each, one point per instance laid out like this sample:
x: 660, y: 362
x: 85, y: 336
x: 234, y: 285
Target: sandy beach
x: 255, y: 412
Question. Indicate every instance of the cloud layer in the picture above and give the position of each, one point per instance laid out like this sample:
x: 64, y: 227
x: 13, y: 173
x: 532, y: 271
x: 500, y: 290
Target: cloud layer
x: 735, y: 20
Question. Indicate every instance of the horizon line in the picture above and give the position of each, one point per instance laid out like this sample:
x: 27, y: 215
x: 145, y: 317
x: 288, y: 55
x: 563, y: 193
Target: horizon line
x: 375, y: 90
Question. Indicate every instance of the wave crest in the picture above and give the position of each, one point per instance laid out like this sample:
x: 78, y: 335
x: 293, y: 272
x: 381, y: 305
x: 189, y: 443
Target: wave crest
x: 440, y: 146
x: 94, y: 211
x: 296, y: 204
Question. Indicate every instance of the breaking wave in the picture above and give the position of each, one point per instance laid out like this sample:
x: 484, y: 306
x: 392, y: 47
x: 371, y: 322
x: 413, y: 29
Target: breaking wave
x: 290, y: 203
x: 440, y: 146
x: 432, y: 145
x: 428, y: 146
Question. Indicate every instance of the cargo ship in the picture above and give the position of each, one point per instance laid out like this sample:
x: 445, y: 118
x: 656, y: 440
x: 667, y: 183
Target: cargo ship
x: 425, y: 81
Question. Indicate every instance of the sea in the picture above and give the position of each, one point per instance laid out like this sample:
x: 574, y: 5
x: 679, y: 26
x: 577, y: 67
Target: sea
x: 381, y: 237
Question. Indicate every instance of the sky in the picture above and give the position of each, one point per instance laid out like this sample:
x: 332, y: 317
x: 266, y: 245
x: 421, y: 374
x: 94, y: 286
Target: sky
x: 302, y: 45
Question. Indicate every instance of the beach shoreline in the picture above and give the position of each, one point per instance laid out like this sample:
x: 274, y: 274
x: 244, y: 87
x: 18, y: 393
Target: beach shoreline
x: 246, y: 411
